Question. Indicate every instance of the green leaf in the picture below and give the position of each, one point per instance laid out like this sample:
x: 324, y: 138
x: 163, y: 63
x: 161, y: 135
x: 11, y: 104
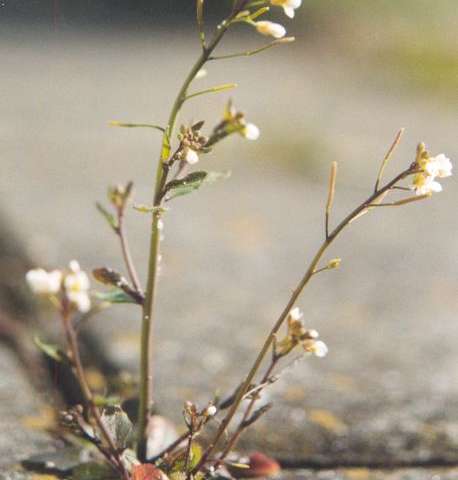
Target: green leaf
x: 111, y: 219
x: 50, y: 350
x: 118, y: 426
x: 115, y: 123
x: 195, y: 455
x: 193, y: 181
x: 115, y: 296
x: 142, y: 208
x: 101, y: 401
x: 93, y: 471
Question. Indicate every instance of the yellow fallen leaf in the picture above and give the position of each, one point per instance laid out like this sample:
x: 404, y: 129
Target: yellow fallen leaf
x: 45, y: 419
x: 42, y: 476
x: 357, y: 473
x: 327, y: 420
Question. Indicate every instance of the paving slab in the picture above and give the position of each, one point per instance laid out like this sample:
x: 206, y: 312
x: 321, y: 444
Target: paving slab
x: 18, y: 408
x: 387, y: 394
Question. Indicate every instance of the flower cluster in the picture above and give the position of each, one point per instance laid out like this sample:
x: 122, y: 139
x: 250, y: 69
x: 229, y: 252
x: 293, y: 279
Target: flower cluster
x: 297, y: 334
x: 73, y: 284
x: 268, y: 28
x: 192, y: 142
x: 430, y: 168
x: 233, y: 121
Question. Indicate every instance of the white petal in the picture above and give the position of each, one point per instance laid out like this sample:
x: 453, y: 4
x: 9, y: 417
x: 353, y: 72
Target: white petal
x: 271, y: 29
x: 320, y: 349
x: 191, y: 156
x: 289, y: 11
x: 81, y: 301
x: 251, y: 131
x: 55, y: 280
x: 295, y: 313
x: 74, y: 266
x: 444, y: 166
x: 38, y: 281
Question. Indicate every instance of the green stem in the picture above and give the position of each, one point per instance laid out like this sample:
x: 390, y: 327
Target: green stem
x: 302, y: 284
x: 146, y: 367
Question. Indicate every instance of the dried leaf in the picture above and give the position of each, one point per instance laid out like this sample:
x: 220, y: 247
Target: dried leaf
x: 147, y: 471
x: 107, y: 276
x: 118, y: 425
x: 259, y: 465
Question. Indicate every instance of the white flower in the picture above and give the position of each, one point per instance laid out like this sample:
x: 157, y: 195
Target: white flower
x: 270, y: 29
x: 211, y: 410
x: 77, y: 285
x: 295, y: 314
x: 288, y: 6
x: 81, y: 301
x: 425, y: 184
x: 42, y: 282
x: 191, y: 156
x: 318, y: 348
x: 439, y: 166
x: 251, y: 131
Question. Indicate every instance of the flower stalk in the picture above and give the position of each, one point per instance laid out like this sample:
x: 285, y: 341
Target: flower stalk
x: 146, y: 359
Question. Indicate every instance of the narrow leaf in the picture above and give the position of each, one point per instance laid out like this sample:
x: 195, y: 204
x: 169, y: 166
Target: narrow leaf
x: 193, y: 181
x: 112, y: 221
x: 52, y: 351
x: 142, y: 208
x: 115, y: 296
x: 115, y: 123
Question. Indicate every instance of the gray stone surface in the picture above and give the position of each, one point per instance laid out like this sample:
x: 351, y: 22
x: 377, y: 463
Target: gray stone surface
x: 18, y: 404
x: 365, y: 474
x: 387, y: 393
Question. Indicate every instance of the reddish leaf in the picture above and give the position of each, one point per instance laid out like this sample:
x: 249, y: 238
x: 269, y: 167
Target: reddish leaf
x: 147, y: 471
x: 259, y: 465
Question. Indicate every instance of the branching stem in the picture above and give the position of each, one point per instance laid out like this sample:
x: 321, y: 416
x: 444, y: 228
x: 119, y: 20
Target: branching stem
x: 296, y: 293
x: 72, y: 341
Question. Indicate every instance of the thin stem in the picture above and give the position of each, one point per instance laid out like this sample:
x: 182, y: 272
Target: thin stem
x: 189, y: 453
x: 121, y: 231
x: 72, y: 341
x: 250, y: 53
x: 146, y: 359
x: 217, y: 89
x: 331, y: 194
x: 387, y: 157
x: 296, y: 293
x: 235, y: 437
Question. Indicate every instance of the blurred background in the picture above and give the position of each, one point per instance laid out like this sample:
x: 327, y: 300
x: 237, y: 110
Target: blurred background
x: 357, y: 72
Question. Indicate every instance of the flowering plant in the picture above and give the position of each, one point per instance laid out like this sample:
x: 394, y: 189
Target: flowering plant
x: 118, y: 446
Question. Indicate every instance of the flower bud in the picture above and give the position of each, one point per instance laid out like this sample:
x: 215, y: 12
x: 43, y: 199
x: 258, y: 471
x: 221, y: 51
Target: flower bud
x: 270, y: 29
x: 334, y: 263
